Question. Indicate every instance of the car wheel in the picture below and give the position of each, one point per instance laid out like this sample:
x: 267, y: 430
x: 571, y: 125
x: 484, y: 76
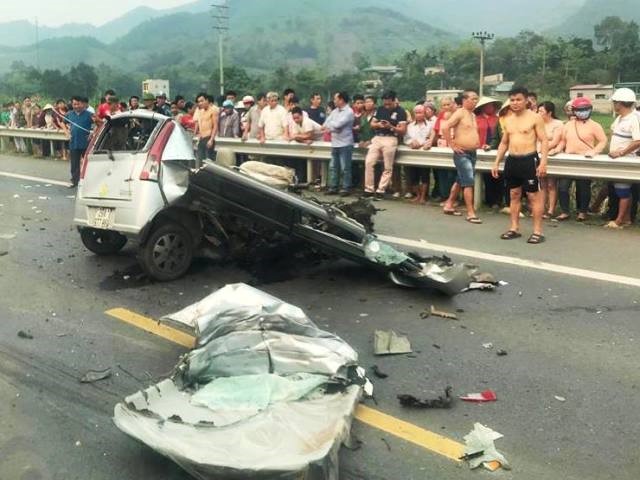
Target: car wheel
x: 167, y: 253
x: 102, y: 242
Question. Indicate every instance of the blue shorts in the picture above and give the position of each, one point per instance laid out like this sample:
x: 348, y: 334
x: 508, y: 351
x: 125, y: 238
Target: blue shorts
x: 623, y: 190
x: 465, y: 165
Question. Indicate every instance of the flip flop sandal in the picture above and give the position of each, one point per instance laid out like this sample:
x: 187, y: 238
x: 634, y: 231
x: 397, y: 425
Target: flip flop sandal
x: 562, y: 217
x: 474, y: 220
x: 510, y: 235
x: 455, y: 213
x: 535, y: 239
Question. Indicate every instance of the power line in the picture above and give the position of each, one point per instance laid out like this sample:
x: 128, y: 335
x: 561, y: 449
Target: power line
x: 221, y: 16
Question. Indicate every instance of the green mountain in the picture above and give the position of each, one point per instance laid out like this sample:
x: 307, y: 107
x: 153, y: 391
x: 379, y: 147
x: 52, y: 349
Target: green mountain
x: 581, y: 23
x: 324, y: 34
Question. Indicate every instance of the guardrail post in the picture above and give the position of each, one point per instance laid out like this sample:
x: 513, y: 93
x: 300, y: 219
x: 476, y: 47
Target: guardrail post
x: 324, y: 169
x: 3, y: 144
x: 226, y: 157
x: 478, y: 190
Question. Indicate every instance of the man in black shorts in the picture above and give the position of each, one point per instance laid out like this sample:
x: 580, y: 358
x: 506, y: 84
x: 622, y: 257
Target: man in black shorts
x: 523, y: 132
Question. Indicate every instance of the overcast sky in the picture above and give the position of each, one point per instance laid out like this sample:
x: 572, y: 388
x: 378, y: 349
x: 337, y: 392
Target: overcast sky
x: 56, y: 12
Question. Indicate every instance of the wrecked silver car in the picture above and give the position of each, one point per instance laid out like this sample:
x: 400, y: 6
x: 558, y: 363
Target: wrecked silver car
x: 139, y: 181
x: 264, y: 394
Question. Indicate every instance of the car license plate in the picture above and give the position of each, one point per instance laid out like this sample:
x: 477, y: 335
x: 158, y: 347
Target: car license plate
x: 102, y: 218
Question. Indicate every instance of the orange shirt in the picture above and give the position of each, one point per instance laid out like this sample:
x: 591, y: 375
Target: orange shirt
x: 580, y: 137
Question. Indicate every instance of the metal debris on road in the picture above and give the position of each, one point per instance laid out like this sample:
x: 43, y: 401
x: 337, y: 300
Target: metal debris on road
x: 390, y: 343
x: 267, y: 428
x: 488, y: 346
x: 486, y: 396
x: 95, y: 375
x: 559, y: 398
x: 25, y: 335
x: 481, y: 286
x: 440, y: 313
x: 480, y: 448
x: 445, y: 401
x: 501, y: 353
x: 377, y: 372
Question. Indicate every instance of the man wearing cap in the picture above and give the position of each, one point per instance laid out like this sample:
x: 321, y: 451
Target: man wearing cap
x: 161, y: 105
x: 625, y: 142
x: 148, y: 101
x: 580, y: 136
x: 229, y: 121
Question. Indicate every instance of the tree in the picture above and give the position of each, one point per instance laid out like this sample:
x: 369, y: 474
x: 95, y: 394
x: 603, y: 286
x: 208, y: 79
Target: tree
x: 83, y: 80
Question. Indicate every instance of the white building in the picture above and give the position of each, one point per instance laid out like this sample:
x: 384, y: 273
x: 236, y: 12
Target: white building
x: 156, y: 86
x: 600, y: 96
x: 436, y: 95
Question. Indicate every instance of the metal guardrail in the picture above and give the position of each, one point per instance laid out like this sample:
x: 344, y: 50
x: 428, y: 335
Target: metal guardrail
x: 562, y: 165
x: 33, y: 133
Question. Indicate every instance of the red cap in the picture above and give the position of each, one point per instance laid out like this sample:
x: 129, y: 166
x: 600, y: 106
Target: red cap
x: 581, y: 102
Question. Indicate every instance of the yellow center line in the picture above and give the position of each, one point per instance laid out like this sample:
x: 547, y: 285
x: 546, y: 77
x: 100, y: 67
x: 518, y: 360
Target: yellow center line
x: 152, y: 326
x: 407, y: 431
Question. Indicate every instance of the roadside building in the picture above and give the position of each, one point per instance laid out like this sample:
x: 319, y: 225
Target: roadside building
x: 156, y: 86
x: 600, y: 96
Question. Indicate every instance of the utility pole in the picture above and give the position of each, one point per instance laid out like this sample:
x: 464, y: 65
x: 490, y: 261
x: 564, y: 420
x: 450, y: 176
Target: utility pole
x: 221, y: 14
x: 482, y: 37
x: 544, y: 60
x: 37, y: 45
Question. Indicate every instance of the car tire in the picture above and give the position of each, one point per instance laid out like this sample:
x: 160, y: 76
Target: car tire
x: 167, y: 253
x: 102, y: 242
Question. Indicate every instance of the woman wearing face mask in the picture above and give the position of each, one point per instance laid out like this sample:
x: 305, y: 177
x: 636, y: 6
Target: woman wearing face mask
x: 553, y: 130
x: 580, y: 136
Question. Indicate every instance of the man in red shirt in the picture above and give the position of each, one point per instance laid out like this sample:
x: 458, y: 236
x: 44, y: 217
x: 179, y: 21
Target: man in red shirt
x: 104, y: 110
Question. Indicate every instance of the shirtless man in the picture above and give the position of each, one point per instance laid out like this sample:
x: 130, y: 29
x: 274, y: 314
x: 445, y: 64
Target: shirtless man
x: 523, y: 168
x: 465, y: 142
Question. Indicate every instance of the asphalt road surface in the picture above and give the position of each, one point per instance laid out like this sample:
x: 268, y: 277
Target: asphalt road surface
x: 567, y: 390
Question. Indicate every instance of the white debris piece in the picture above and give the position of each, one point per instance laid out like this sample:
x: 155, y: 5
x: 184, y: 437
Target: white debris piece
x: 481, y: 439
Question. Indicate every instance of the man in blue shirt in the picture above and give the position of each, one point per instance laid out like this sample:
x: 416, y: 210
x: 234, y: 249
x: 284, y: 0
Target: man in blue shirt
x: 340, y: 124
x: 77, y: 125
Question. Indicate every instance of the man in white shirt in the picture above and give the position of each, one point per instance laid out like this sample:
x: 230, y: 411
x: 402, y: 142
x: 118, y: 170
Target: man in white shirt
x: 301, y: 128
x: 419, y: 136
x: 625, y: 142
x: 273, y: 120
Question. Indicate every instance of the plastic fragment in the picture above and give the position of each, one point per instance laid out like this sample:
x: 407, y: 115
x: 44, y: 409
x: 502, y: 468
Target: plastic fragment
x: 443, y: 314
x: 486, y: 396
x: 95, y: 375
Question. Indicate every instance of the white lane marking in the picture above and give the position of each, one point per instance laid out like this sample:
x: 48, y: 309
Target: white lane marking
x: 520, y: 262
x: 34, y: 179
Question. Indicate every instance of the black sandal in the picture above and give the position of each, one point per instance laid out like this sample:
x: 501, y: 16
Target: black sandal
x: 510, y: 235
x: 536, y: 238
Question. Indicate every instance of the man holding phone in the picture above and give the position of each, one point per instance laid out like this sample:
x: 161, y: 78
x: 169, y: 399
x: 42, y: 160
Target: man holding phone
x: 388, y: 123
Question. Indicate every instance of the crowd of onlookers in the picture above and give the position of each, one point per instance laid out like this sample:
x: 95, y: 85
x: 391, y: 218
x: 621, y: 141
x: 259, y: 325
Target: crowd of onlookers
x: 465, y: 124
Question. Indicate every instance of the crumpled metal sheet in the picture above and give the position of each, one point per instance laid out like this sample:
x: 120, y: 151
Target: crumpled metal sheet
x: 243, y: 331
